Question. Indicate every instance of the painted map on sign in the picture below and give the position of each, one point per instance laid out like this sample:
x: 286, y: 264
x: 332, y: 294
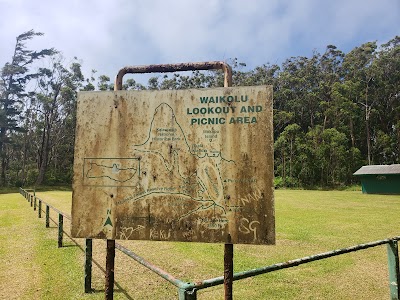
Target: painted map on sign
x: 118, y: 172
x: 193, y: 165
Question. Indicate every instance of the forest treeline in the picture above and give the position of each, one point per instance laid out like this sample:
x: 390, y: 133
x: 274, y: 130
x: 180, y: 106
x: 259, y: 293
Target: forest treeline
x: 333, y: 111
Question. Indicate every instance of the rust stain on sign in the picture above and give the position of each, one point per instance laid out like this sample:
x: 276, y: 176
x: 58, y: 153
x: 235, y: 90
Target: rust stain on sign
x: 188, y: 165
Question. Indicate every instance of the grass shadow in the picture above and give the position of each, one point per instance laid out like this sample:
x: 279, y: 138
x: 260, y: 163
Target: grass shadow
x: 46, y: 188
x: 75, y: 243
x: 12, y: 190
x: 81, y: 247
x: 118, y: 290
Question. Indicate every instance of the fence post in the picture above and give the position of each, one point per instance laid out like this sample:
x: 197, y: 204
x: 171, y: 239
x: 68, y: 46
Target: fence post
x: 40, y: 209
x: 88, y: 265
x: 60, y: 229
x: 228, y: 269
x: 393, y: 263
x: 47, y: 216
x: 31, y: 199
x: 34, y: 202
x: 184, y: 294
x: 110, y: 260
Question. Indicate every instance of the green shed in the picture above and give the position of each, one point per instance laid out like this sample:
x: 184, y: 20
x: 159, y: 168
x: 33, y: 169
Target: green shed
x: 380, y: 179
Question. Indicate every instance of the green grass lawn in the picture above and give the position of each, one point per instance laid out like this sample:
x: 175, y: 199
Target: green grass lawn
x: 307, y: 222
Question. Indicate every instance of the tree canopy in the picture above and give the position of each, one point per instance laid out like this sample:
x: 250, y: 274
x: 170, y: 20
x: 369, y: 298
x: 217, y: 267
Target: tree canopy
x: 333, y: 111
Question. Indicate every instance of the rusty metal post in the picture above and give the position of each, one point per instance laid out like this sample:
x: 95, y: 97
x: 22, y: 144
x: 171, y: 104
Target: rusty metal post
x: 47, y: 216
x: 88, y: 265
x: 40, y: 209
x: 60, y: 230
x: 228, y: 269
x: 228, y: 249
x: 164, y: 68
x: 393, y: 264
x: 110, y: 260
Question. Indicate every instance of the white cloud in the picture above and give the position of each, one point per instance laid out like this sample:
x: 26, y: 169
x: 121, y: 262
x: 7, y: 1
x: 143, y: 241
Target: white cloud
x: 109, y: 35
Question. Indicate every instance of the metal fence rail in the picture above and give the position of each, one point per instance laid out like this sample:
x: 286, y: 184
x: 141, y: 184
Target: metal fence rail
x: 188, y: 290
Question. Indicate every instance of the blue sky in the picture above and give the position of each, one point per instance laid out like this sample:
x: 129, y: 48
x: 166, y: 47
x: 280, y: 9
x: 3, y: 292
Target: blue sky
x: 108, y: 35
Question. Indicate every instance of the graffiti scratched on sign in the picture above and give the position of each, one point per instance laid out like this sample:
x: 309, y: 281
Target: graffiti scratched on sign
x: 188, y: 165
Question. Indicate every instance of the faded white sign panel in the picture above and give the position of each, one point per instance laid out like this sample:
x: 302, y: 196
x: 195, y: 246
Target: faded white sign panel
x: 182, y: 165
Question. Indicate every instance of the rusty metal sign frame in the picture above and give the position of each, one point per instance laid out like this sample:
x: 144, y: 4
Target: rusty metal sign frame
x: 169, y: 68
x: 262, y: 131
x: 165, y: 68
x: 183, y: 165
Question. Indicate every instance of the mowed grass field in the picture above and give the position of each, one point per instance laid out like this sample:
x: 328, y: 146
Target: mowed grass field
x: 307, y: 222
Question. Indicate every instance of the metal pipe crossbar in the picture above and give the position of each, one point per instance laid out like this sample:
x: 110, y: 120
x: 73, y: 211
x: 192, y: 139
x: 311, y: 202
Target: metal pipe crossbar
x: 188, y: 290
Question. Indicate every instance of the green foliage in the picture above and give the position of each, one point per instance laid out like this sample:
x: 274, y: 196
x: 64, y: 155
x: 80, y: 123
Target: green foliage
x: 333, y: 112
x: 348, y: 109
x: 278, y: 182
x: 14, y: 77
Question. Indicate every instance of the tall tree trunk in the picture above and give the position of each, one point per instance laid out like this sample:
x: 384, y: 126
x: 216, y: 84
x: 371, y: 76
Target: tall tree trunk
x: 368, y: 140
x: 3, y: 170
x: 44, y: 153
x: 44, y: 161
x: 367, y: 114
x: 24, y: 158
x: 3, y: 155
x: 351, y: 126
x: 290, y: 158
x: 284, y: 166
x: 46, y: 147
x: 398, y: 141
x: 325, y: 121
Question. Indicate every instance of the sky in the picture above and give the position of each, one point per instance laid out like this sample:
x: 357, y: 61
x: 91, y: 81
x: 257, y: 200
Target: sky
x: 108, y: 35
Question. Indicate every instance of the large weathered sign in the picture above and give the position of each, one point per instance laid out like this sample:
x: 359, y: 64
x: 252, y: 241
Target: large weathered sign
x: 177, y: 165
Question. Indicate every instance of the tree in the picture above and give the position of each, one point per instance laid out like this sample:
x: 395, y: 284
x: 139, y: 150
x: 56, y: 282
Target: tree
x: 358, y: 64
x: 330, y: 65
x: 387, y: 108
x: 298, y: 89
x: 15, y: 75
x: 288, y: 153
x: 104, y: 83
x: 55, y: 107
x: 329, y: 151
x: 330, y: 111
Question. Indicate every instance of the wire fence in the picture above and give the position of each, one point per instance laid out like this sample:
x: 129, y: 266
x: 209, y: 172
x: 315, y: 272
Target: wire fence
x: 188, y: 290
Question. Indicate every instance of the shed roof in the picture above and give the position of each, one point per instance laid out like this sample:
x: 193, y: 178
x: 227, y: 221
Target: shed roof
x: 378, y: 169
